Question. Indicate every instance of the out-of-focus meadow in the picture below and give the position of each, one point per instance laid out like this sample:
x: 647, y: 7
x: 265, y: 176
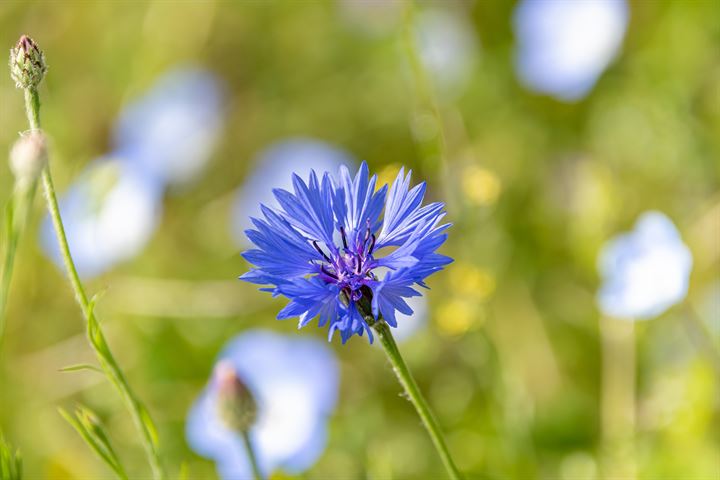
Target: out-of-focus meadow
x: 540, y: 164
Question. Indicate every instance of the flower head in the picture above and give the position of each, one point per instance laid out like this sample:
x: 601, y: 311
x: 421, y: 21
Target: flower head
x: 170, y: 132
x: 448, y: 48
x: 564, y: 47
x: 645, y: 271
x: 236, y: 405
x: 294, y: 383
x: 110, y: 214
x: 27, y: 63
x: 328, y: 250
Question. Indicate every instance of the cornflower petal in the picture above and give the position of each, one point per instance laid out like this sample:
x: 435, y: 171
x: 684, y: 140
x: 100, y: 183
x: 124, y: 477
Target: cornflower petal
x: 306, y: 209
x: 402, y: 212
x: 357, y: 204
x: 389, y: 294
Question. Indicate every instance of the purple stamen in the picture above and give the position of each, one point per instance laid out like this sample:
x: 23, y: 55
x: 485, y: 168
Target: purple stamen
x: 317, y: 247
x: 322, y: 269
x: 344, y: 238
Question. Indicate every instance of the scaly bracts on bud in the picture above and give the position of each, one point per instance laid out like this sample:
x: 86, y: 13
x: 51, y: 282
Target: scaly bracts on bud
x: 27, y: 63
x: 235, y: 404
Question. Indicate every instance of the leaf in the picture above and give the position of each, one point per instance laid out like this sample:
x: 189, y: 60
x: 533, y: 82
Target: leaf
x: 10, y: 462
x: 149, y: 425
x: 86, y: 423
x: 95, y: 335
x: 81, y: 366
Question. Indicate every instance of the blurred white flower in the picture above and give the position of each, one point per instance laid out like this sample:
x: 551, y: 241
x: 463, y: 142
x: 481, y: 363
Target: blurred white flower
x: 565, y: 45
x: 109, y: 214
x: 170, y: 132
x: 645, y: 271
x: 274, y: 169
x: 448, y: 48
x: 295, y: 385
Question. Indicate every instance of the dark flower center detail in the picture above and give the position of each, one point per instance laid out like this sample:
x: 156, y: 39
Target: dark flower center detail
x: 350, y: 267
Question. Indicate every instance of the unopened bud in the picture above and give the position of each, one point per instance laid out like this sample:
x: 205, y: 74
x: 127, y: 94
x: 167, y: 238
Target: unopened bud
x: 28, y: 157
x: 27, y: 63
x: 236, y: 406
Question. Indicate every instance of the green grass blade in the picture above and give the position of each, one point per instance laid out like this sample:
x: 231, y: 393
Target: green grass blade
x: 89, y: 428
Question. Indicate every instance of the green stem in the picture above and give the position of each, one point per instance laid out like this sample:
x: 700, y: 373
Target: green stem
x: 423, y: 409
x: 257, y: 475
x: 110, y: 367
x: 32, y: 108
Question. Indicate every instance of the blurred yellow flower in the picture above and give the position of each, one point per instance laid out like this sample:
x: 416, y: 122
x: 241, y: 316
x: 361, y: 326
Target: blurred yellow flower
x: 480, y: 185
x: 387, y: 174
x: 467, y: 279
x: 457, y: 316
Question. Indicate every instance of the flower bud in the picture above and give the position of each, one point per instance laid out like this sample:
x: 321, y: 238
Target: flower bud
x: 28, y: 157
x: 27, y: 63
x: 235, y: 405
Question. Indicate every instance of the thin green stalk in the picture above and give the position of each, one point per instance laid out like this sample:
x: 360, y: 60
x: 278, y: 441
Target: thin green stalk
x: 32, y: 108
x: 416, y: 398
x: 257, y: 475
x: 139, y: 414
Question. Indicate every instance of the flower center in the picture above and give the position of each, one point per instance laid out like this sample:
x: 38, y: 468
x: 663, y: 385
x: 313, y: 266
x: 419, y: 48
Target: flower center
x: 351, y: 267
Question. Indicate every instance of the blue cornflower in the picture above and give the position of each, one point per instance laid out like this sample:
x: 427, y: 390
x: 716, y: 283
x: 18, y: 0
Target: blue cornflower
x: 110, y: 213
x: 645, y: 271
x: 564, y: 47
x: 170, y: 132
x: 328, y: 250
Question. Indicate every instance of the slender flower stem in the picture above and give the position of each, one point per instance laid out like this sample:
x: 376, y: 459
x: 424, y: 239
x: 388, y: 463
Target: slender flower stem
x: 32, y: 108
x: 423, y: 409
x: 257, y: 475
x: 112, y: 370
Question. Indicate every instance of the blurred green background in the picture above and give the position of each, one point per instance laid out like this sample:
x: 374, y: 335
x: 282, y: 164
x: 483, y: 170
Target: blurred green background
x: 511, y: 356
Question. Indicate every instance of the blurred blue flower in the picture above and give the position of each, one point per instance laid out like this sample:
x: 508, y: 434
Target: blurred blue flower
x: 448, y: 48
x: 564, y: 46
x: 320, y: 249
x: 274, y: 168
x: 295, y: 385
x: 109, y: 214
x: 171, y: 131
x: 645, y: 271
